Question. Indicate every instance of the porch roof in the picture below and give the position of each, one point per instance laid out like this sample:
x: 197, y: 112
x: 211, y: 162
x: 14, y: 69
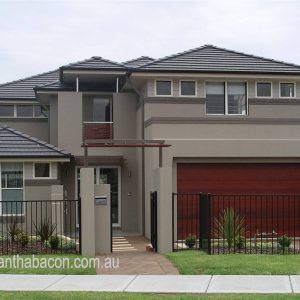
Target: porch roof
x: 15, y: 144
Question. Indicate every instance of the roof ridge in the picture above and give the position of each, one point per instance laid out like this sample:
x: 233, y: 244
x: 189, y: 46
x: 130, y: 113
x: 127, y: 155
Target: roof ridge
x: 175, y: 55
x: 38, y: 141
x: 29, y: 77
x: 255, y: 56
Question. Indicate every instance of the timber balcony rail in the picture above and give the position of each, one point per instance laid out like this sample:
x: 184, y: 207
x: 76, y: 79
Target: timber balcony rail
x: 97, y: 130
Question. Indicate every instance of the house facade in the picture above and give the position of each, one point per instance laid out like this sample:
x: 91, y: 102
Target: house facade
x: 232, y: 121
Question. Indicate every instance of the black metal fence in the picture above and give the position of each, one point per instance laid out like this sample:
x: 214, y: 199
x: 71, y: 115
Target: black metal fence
x: 40, y: 227
x: 268, y: 224
x: 153, y: 200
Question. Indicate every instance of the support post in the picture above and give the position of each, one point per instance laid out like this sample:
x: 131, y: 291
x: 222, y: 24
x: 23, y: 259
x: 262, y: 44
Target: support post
x: 87, y: 211
x: 77, y: 84
x: 85, y: 159
x: 117, y: 85
x: 160, y: 153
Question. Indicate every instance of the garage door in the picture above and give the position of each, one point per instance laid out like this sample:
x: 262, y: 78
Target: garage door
x: 239, y: 179
x: 243, y: 179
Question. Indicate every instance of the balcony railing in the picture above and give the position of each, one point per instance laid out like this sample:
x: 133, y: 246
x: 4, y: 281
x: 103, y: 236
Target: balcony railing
x: 97, y: 130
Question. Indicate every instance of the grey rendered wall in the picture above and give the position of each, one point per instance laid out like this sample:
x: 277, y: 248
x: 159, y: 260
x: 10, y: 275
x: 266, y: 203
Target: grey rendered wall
x: 37, y: 128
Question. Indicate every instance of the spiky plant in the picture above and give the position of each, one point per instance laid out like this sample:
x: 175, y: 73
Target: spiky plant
x: 229, y: 226
x: 44, y: 230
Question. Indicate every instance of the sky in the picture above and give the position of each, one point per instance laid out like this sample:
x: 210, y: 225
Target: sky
x: 39, y: 36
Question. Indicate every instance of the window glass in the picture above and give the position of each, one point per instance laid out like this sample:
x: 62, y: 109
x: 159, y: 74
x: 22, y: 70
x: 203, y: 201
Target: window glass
x: 12, y: 188
x: 101, y: 110
x: 6, y: 110
x: 42, y: 170
x: 236, y: 93
x: 188, y: 88
x: 40, y: 112
x: 24, y: 111
x: 163, y: 88
x: 264, y: 89
x: 215, y: 98
x: 287, y: 90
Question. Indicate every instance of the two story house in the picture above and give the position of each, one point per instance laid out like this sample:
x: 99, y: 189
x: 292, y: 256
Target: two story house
x: 232, y: 121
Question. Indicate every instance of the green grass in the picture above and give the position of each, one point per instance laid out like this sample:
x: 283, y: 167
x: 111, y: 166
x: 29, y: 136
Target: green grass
x: 196, y: 262
x: 47, y: 271
x: 127, y: 296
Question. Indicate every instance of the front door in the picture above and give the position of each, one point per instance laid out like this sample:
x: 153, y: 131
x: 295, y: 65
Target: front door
x: 108, y: 175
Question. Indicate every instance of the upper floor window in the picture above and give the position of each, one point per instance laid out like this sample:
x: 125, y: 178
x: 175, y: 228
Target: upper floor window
x: 187, y: 88
x: 23, y: 111
x: 101, y: 110
x: 264, y: 89
x: 226, y: 98
x: 287, y: 90
x: 163, y: 88
x: 42, y: 170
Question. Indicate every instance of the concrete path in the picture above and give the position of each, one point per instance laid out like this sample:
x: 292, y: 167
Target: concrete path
x: 131, y: 257
x: 199, y: 284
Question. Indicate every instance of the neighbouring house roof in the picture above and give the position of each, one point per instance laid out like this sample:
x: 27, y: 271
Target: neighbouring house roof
x: 23, y: 88
x: 95, y: 62
x: 137, y: 62
x: 210, y: 58
x: 17, y: 144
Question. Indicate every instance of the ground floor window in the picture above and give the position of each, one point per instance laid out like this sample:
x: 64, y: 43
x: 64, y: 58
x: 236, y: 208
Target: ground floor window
x: 11, y: 188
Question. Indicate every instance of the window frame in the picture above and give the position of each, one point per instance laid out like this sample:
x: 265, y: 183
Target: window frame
x: 155, y: 89
x: 279, y: 90
x: 188, y: 80
x: 8, y: 117
x: 263, y: 97
x: 225, y: 82
x: 42, y: 178
x: 22, y: 188
x: 15, y: 115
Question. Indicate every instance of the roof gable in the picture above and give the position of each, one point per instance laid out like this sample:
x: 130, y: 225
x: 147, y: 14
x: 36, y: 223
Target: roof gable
x: 210, y: 58
x: 23, y: 88
x: 17, y: 144
x: 95, y: 62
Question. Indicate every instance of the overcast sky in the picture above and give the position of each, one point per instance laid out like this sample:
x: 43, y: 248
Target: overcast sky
x: 37, y: 36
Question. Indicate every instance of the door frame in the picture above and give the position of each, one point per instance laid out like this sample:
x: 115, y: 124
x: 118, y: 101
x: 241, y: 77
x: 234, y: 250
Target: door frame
x: 98, y: 167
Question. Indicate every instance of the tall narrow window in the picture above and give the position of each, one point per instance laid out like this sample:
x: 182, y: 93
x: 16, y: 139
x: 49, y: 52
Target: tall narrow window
x: 236, y: 94
x: 11, y: 188
x: 215, y: 98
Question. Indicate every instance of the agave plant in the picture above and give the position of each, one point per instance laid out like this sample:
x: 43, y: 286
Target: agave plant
x: 44, y: 230
x: 229, y: 226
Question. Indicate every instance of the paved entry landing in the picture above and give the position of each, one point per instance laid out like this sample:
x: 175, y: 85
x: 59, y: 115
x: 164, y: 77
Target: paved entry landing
x: 130, y: 252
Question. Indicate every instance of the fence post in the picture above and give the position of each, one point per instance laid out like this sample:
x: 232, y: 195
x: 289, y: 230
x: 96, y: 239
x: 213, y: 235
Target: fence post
x: 204, y: 223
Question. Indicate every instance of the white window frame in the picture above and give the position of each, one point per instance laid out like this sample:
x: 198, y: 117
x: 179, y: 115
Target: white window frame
x: 264, y: 97
x: 188, y: 80
x: 226, y: 96
x: 42, y: 178
x: 155, y: 83
x: 22, y: 188
x: 15, y: 116
x: 279, y: 90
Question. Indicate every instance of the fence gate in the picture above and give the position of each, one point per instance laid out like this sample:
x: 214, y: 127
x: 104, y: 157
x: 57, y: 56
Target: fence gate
x: 191, y: 221
x: 153, y: 200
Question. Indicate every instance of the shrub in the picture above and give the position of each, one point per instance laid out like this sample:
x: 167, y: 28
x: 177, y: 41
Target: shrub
x: 229, y: 226
x: 23, y: 238
x: 13, y: 230
x: 190, y: 241
x: 54, y: 242
x: 44, y: 230
x: 284, y: 242
x: 240, y: 242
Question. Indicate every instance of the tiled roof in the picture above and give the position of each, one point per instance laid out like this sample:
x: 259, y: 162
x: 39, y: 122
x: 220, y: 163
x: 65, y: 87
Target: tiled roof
x: 137, y: 62
x: 17, y: 144
x: 95, y: 62
x: 23, y: 88
x: 213, y: 59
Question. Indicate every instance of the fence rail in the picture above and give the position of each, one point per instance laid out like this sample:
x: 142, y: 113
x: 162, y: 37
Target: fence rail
x: 40, y: 227
x: 268, y: 224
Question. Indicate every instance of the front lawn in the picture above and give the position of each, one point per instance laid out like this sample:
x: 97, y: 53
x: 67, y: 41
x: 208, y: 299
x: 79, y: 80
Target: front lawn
x: 127, y: 296
x: 63, y: 270
x: 197, y: 263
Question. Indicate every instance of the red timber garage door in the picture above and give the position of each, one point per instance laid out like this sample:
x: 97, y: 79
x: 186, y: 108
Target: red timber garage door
x: 238, y: 179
